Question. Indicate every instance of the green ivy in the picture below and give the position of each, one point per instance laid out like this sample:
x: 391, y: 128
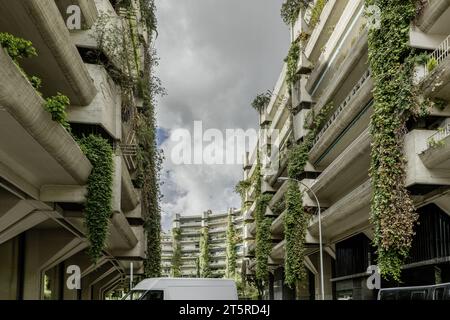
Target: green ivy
x: 261, y: 101
x: 391, y: 63
x: 56, y: 106
x: 204, y: 259
x: 297, y: 218
x: 176, y: 257
x: 231, y: 249
x: 98, y: 208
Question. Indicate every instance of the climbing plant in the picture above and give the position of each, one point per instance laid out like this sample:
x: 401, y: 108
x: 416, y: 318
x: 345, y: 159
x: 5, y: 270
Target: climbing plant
x: 231, y: 257
x: 391, y: 62
x: 176, y: 256
x: 204, y: 259
x: 97, y: 210
x: 297, y: 217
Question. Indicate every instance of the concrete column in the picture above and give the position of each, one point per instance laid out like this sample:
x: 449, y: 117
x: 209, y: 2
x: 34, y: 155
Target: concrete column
x: 327, y: 271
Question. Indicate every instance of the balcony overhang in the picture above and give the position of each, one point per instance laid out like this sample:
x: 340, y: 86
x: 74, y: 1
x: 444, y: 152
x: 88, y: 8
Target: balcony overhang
x: 58, y: 63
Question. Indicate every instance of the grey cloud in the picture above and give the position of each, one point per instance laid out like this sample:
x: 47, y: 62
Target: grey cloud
x: 215, y: 56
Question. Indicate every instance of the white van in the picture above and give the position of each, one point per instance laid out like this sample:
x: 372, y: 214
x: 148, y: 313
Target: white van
x: 183, y: 289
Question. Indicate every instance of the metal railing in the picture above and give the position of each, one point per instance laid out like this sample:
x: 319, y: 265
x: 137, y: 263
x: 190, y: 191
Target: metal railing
x: 343, y: 105
x: 440, y: 135
x: 439, y: 55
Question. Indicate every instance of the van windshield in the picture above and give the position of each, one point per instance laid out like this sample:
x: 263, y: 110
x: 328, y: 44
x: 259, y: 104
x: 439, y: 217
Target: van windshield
x: 144, y: 295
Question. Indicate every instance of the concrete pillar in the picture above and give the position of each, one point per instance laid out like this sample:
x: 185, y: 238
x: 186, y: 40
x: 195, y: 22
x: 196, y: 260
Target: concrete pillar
x: 44, y: 249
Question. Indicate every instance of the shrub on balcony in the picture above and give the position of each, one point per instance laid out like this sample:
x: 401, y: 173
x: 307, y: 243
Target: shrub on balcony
x: 391, y: 61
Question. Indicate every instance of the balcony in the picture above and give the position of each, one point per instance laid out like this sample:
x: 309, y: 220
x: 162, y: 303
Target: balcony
x: 347, y: 122
x: 428, y: 163
x: 435, y: 16
x: 436, y: 81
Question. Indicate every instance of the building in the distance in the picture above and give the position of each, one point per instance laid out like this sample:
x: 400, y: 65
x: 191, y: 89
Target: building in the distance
x: 189, y: 229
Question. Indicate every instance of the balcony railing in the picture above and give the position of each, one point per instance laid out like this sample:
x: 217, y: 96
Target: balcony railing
x: 440, y: 54
x: 440, y: 135
x: 342, y: 106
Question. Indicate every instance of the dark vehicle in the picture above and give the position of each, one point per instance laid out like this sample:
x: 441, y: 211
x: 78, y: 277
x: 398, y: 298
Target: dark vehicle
x: 433, y: 292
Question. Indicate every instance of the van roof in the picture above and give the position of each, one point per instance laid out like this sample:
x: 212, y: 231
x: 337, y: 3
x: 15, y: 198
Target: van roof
x: 158, y: 283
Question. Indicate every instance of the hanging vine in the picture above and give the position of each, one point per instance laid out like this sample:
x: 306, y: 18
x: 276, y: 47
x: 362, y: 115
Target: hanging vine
x: 297, y: 217
x: 391, y: 61
x: 97, y: 210
x: 204, y: 259
x: 176, y: 257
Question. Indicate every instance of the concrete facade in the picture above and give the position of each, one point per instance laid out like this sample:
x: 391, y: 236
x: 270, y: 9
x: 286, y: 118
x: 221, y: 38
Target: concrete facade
x: 333, y: 68
x: 44, y: 173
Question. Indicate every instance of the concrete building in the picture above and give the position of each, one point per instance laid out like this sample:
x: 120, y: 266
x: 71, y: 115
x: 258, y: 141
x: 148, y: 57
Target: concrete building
x: 333, y: 67
x: 43, y: 171
x: 190, y: 229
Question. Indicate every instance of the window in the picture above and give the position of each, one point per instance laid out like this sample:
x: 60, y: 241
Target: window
x: 418, y: 295
x: 145, y: 295
x: 439, y: 294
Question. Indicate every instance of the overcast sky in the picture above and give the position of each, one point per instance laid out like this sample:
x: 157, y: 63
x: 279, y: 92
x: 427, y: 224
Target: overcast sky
x: 215, y: 56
